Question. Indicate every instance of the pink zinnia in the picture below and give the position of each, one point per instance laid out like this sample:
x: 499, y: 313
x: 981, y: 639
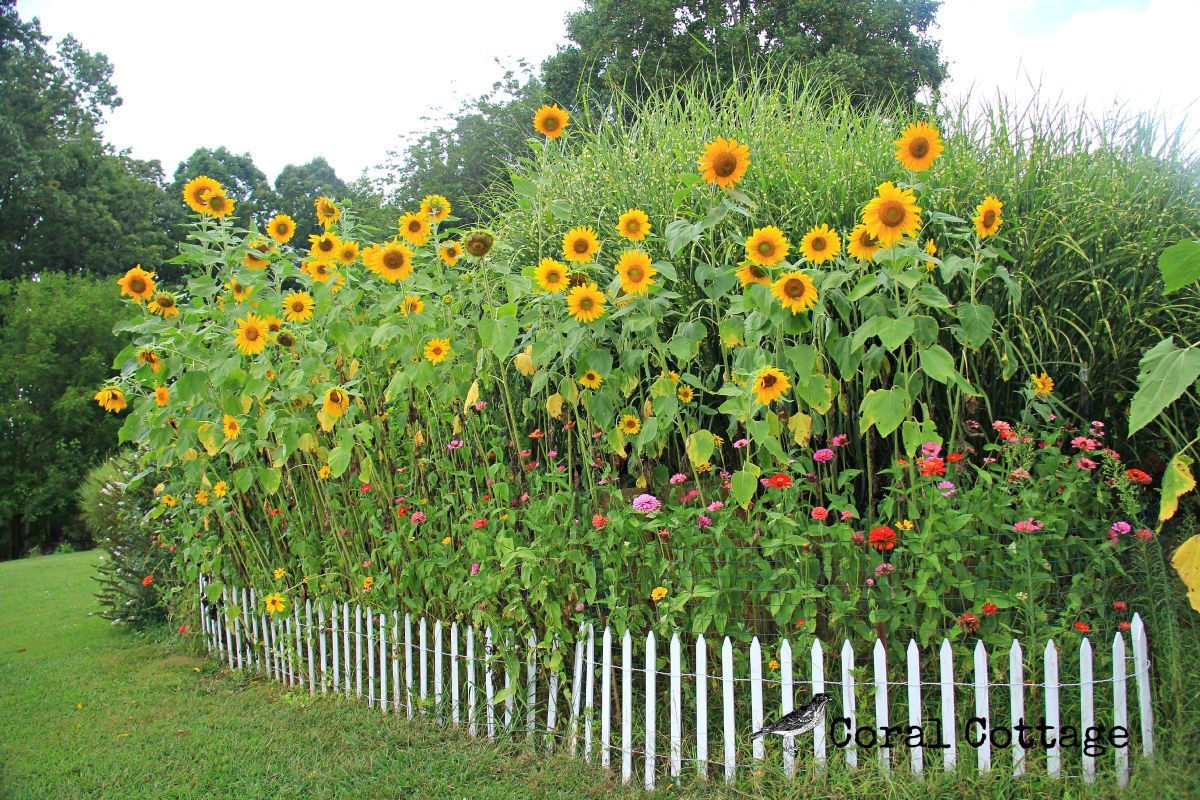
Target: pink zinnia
x: 740, y: 443
x: 715, y: 505
x: 841, y: 440
x: 418, y: 517
x: 1030, y: 525
x: 475, y: 569
x: 646, y: 503
x: 1085, y: 463
x: 820, y: 513
x: 703, y: 521
x: 480, y: 405
x: 552, y: 454
x: 931, y: 449
x: 824, y: 455
x: 847, y: 515
x: 678, y: 478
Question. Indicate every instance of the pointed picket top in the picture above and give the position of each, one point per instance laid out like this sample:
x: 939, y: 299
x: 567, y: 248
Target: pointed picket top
x: 1050, y: 671
x: 983, y: 753
x: 879, y: 656
x: 1141, y: 671
x: 949, y: 731
x: 1087, y: 710
x: 1016, y: 702
x: 916, y: 754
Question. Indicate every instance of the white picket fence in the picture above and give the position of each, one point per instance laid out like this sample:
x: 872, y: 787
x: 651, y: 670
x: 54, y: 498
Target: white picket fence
x: 331, y: 653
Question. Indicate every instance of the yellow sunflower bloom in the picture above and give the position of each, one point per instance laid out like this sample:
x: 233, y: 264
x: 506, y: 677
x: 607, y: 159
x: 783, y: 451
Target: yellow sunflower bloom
x: 450, y: 253
x: 820, y: 244
x: 752, y: 273
x: 239, y: 290
x: 219, y: 488
x: 724, y: 162
x: 148, y: 358
x: 281, y: 228
x: 437, y: 350
x: 580, y: 245
x: 256, y: 256
x: 591, y: 379
x: 629, y: 425
x: 892, y: 214
x: 162, y: 396
x: 931, y: 247
x: 138, y: 284
x: 861, y: 244
x: 635, y: 271
x: 251, y: 336
x: 658, y: 593
x: 218, y: 205
x: 796, y: 291
x: 324, y: 472
x: 347, y: 252
x: 275, y: 604
x: 685, y: 394
x: 551, y: 275
x: 412, y: 305
x: 321, y: 271
x: 298, y: 307
x: 1043, y: 385
x: 392, y: 261
x: 110, y: 398
x: 336, y: 402
x: 201, y: 498
x: 770, y: 385
x: 634, y: 225
x: 435, y: 206
x: 415, y: 228
x: 550, y: 121
x: 767, y: 246
x: 585, y: 303
x: 324, y: 248
x: 197, y: 190
x: 232, y: 429
x: 164, y: 305
x: 918, y: 147
x: 988, y: 216
x: 327, y: 212
x: 274, y: 324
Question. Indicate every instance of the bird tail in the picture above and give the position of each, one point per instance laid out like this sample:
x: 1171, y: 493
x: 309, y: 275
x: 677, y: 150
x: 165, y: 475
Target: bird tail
x: 757, y: 734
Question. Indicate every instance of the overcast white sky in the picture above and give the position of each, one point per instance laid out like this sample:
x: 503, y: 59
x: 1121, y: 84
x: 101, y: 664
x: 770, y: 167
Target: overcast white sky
x: 286, y: 81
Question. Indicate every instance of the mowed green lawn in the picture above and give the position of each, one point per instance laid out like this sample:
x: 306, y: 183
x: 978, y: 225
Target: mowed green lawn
x: 88, y: 710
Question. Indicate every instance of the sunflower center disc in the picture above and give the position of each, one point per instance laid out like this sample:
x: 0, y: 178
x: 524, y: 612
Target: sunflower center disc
x: 919, y: 148
x: 892, y: 215
x: 725, y: 164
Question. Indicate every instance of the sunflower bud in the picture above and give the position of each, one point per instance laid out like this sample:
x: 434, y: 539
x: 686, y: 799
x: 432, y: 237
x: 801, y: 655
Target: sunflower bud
x: 478, y: 243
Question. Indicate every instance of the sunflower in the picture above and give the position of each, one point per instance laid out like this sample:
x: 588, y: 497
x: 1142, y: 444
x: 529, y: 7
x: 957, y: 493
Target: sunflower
x: 256, y: 255
x: 820, y: 244
x: 795, y: 291
x: 437, y: 350
x: 752, y: 273
x: 337, y: 282
x: 931, y: 247
x: 988, y: 216
x: 232, y: 429
x: 218, y: 205
x: 413, y: 304
x: 767, y: 246
x: 918, y: 147
x: 769, y: 385
x: 251, y: 337
x: 724, y: 162
x: 324, y: 472
x: 1042, y: 384
x: 392, y: 261
x: 161, y: 396
x: 138, y: 284
x: 635, y: 271
x: 591, y: 379
x: 478, y: 243
x: 285, y: 339
x: 274, y: 324
x: 892, y: 214
x: 336, y: 403
x: 201, y: 498
x: 327, y: 212
x: 164, y: 305
x: 450, y: 253
x: 550, y: 121
x: 585, y: 303
x: 220, y: 487
x: 275, y: 603
x: 634, y: 225
x: 629, y: 425
x: 324, y: 247
x: 435, y: 206
x: 281, y: 228
x: 321, y: 271
x: 240, y: 291
x: 861, y: 244
x: 298, y: 307
x: 147, y: 357
x: 551, y: 275
x: 197, y: 190
x: 415, y: 228
x: 685, y: 394
x: 348, y: 252
x: 580, y: 245
x: 111, y: 399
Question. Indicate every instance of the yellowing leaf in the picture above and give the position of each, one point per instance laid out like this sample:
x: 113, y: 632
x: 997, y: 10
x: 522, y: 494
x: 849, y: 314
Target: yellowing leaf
x: 208, y: 438
x: 700, y: 446
x: 247, y: 403
x: 1186, y: 562
x: 307, y: 442
x: 354, y: 365
x: 456, y: 424
x: 523, y: 361
x: 1177, y: 482
x: 326, y: 421
x: 800, y: 424
x: 472, y: 396
x: 554, y: 404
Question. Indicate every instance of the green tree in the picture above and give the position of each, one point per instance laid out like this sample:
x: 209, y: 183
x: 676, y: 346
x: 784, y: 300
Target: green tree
x: 56, y: 348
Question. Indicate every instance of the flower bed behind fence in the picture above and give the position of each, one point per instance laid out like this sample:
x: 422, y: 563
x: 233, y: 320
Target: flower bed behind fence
x: 600, y: 699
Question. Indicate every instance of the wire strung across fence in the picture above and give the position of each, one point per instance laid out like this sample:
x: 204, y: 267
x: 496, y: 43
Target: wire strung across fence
x: 331, y: 653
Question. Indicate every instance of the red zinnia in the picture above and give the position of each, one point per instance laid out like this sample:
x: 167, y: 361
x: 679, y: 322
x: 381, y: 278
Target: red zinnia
x: 780, y: 480
x: 1123, y: 626
x: 968, y: 622
x: 1137, y: 476
x: 990, y: 609
x: 1119, y: 605
x: 146, y: 581
x: 599, y: 521
x: 954, y: 458
x: 1083, y: 627
x: 479, y: 522
x: 883, y: 538
x: 933, y: 466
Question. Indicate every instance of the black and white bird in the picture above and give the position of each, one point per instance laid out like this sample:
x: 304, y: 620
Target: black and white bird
x: 802, y: 720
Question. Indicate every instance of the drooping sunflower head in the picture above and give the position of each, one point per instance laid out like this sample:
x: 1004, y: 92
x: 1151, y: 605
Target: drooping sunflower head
x: 861, y: 244
x: 478, y: 243
x: 327, y: 212
x: 550, y: 121
x: 392, y: 261
x: 629, y: 425
x: 551, y: 275
x: 752, y: 273
x: 148, y: 358
x: 918, y: 147
x: 298, y: 307
x: 435, y: 206
x: 437, y: 350
x: 685, y: 394
x: 580, y: 245
x: 795, y: 291
x: 767, y: 246
x: 274, y: 324
x: 450, y: 253
x: 415, y: 227
x: 110, y: 398
x: 1042, y: 384
x: 251, y: 335
x: 988, y: 216
x: 257, y: 254
x: 161, y: 396
x: 239, y: 290
x: 285, y: 339
x: 197, y: 190
x: 770, y: 384
x: 324, y: 247
x: 413, y: 304
x: 321, y: 271
x: 892, y: 214
x: 138, y: 284
x: 820, y: 244
x: 281, y: 228
x: 591, y: 379
x: 724, y: 162
x: 164, y: 305
x: 347, y: 252
x: 336, y: 402
x: 218, y: 205
x: 635, y: 271
x: 585, y: 303
x: 231, y: 428
x: 634, y: 225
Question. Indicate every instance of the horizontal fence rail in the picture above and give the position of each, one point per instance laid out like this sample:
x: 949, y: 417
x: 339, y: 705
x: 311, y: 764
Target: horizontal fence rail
x: 984, y: 714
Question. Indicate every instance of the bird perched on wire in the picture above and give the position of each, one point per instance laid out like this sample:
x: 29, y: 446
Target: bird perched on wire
x: 802, y: 720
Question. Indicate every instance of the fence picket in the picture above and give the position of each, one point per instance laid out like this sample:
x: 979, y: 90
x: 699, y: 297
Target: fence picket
x: 321, y: 634
x: 383, y: 664
x: 589, y: 700
x: 423, y: 653
x: 626, y: 707
x: 470, y: 680
x: 758, y: 748
x: 1141, y: 671
x: 454, y: 672
x: 727, y: 709
x: 849, y: 701
x: 916, y: 753
x: 346, y: 646
x: 701, y: 707
x: 408, y: 666
x: 237, y: 629
x: 308, y: 644
x: 298, y: 649
x: 676, y: 707
x: 510, y: 694
x: 396, y: 660
x: 576, y: 695
x: 1120, y: 707
x: 225, y: 623
x: 531, y: 687
x: 370, y: 657
x: 949, y: 735
x: 881, y: 703
x: 651, y: 709
x: 551, y: 700
x: 1087, y: 711
x: 358, y: 638
x: 1050, y: 668
x: 786, y: 704
x: 437, y: 669
x: 1016, y: 703
x: 983, y: 753
x: 488, y: 692
x: 248, y: 636
x: 606, y: 698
